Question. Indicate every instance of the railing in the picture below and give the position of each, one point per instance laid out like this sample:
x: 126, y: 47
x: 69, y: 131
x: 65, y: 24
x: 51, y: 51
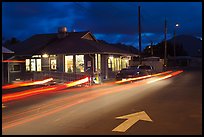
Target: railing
x: 60, y: 76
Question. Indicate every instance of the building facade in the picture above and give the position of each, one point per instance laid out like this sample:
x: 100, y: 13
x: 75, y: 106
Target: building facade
x: 66, y: 55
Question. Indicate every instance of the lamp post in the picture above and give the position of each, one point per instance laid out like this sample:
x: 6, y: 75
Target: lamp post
x: 165, y: 44
x: 175, y: 39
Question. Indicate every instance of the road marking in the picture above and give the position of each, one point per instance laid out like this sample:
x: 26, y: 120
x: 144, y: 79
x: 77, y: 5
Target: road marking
x: 3, y: 106
x: 131, y: 120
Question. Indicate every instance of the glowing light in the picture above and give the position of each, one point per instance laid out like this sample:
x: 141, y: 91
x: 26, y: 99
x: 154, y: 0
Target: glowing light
x: 78, y: 82
x: 177, y: 25
x: 131, y: 79
x: 62, y: 104
x: 45, y: 55
x: 31, y: 92
x: 19, y: 61
x: 155, y: 80
x: 142, y: 77
x: 42, y: 82
x: 111, y: 57
x: 165, y: 77
x: 21, y: 84
x: 26, y: 93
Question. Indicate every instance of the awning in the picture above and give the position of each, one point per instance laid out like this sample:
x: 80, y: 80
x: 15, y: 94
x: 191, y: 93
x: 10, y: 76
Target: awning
x: 5, y: 50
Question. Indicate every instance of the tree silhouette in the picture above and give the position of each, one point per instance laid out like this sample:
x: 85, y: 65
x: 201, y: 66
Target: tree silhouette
x: 11, y: 41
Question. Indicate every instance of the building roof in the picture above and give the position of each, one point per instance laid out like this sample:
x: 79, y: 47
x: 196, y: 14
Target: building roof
x: 5, y: 50
x: 73, y: 43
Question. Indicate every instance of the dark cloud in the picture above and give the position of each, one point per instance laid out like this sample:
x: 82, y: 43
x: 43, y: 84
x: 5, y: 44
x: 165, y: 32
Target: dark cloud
x: 111, y: 21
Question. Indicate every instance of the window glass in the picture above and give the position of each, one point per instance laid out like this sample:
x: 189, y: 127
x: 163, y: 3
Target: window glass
x: 96, y: 62
x: 69, y: 64
x: 15, y: 67
x: 53, y: 63
x: 32, y: 61
x: 109, y: 63
x: 79, y: 63
x: 27, y: 64
x: 39, y: 65
x: 117, y: 64
x: 99, y: 61
x: 125, y: 63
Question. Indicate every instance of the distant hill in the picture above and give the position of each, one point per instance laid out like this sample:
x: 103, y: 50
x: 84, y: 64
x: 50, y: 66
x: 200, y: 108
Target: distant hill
x: 192, y: 45
x: 122, y: 46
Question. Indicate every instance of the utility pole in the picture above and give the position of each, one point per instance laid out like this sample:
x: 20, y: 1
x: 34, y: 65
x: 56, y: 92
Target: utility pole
x: 139, y: 32
x: 165, y: 44
x: 174, y: 43
x: 177, y: 25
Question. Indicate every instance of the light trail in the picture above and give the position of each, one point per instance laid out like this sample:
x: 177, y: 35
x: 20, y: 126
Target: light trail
x: 19, y: 61
x: 22, y: 84
x: 77, y: 82
x: 31, y: 92
x: 62, y: 104
x: 165, y: 77
x: 94, y: 87
x: 142, y: 77
x: 81, y: 99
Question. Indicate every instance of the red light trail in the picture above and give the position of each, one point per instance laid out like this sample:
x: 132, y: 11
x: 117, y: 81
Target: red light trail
x: 22, y: 84
x: 84, y: 97
x: 31, y: 92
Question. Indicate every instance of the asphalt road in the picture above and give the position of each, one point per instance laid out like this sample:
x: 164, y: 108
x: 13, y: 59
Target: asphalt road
x: 174, y: 106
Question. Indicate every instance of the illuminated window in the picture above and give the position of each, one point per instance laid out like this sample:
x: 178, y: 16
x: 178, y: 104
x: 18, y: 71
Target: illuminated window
x: 32, y: 61
x: 117, y: 64
x: 53, y: 63
x: 45, y: 55
x: 69, y: 64
x: 27, y: 64
x: 38, y: 65
x: 125, y: 63
x: 79, y: 63
x: 109, y: 63
x: 97, y: 62
x: 113, y: 64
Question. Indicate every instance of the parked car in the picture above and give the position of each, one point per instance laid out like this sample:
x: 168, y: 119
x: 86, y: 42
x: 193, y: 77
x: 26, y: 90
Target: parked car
x: 125, y: 73
x: 145, y: 69
x: 134, y: 71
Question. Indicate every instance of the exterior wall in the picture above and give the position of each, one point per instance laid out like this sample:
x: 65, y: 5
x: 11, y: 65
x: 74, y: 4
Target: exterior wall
x: 104, y: 66
x: 89, y: 64
x: 18, y: 75
x: 89, y: 69
x: 45, y: 64
x: 60, y: 63
x: 4, y: 73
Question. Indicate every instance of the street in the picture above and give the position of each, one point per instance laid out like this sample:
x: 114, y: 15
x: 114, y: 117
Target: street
x: 174, y: 106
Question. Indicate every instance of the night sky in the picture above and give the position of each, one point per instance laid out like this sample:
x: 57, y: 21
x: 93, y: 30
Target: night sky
x: 113, y: 22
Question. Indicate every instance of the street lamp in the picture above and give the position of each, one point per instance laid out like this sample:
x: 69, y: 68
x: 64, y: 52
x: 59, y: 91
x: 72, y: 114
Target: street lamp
x: 177, y: 25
